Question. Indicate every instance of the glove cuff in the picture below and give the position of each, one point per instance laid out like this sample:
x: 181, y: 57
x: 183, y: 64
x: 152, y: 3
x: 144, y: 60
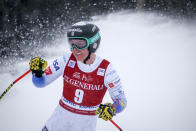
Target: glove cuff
x: 38, y: 73
x: 114, y: 109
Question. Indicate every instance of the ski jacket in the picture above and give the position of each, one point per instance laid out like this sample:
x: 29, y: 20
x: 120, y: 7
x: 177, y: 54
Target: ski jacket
x: 84, y: 85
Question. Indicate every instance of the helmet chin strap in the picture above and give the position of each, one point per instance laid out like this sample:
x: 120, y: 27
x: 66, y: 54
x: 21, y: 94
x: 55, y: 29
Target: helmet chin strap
x: 88, y: 57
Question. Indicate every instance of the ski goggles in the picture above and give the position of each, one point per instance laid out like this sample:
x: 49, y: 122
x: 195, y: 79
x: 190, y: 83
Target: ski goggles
x: 81, y: 43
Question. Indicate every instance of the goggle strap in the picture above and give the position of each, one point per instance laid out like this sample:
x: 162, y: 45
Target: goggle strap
x: 90, y: 40
x: 94, y: 38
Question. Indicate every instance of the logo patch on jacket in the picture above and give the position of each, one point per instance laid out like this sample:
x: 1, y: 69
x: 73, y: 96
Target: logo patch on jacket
x: 101, y: 72
x: 71, y: 63
x: 56, y: 65
x: 111, y: 85
x: 48, y: 71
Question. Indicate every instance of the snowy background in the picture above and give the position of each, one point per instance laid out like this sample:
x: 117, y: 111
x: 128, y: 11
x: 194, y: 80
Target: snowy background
x: 155, y: 58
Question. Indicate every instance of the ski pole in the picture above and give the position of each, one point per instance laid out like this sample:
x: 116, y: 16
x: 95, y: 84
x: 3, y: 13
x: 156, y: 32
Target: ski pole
x: 116, y: 125
x: 14, y: 83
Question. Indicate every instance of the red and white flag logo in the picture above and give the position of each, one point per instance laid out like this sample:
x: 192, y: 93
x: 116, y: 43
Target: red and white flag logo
x: 48, y: 71
x: 111, y: 85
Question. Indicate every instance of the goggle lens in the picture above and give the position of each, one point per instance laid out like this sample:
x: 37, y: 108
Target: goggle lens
x: 78, y: 43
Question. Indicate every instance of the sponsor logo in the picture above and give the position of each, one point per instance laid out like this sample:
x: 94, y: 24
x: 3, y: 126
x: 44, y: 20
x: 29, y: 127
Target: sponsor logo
x: 68, y: 102
x: 116, y: 82
x: 84, y: 78
x: 95, y: 38
x: 64, y: 58
x: 117, y: 93
x: 75, y: 30
x: 95, y: 45
x: 94, y: 28
x: 76, y: 75
x: 83, y: 85
x: 86, y: 107
x: 87, y: 78
x: 72, y: 33
x: 80, y: 107
x: 122, y: 103
x: 56, y: 65
x: 111, y: 85
x: 48, y: 71
x: 101, y: 72
x: 111, y: 73
x: 71, y: 63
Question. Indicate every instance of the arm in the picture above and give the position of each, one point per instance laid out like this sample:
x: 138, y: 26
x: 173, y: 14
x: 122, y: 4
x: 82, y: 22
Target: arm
x: 113, y: 83
x: 52, y: 72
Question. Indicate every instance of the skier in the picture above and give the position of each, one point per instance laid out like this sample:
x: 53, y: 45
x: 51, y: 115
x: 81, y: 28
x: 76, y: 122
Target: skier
x: 86, y: 77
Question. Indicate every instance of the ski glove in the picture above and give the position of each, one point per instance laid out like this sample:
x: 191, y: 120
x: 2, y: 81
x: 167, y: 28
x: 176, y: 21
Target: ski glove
x: 38, y: 66
x: 106, y: 111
